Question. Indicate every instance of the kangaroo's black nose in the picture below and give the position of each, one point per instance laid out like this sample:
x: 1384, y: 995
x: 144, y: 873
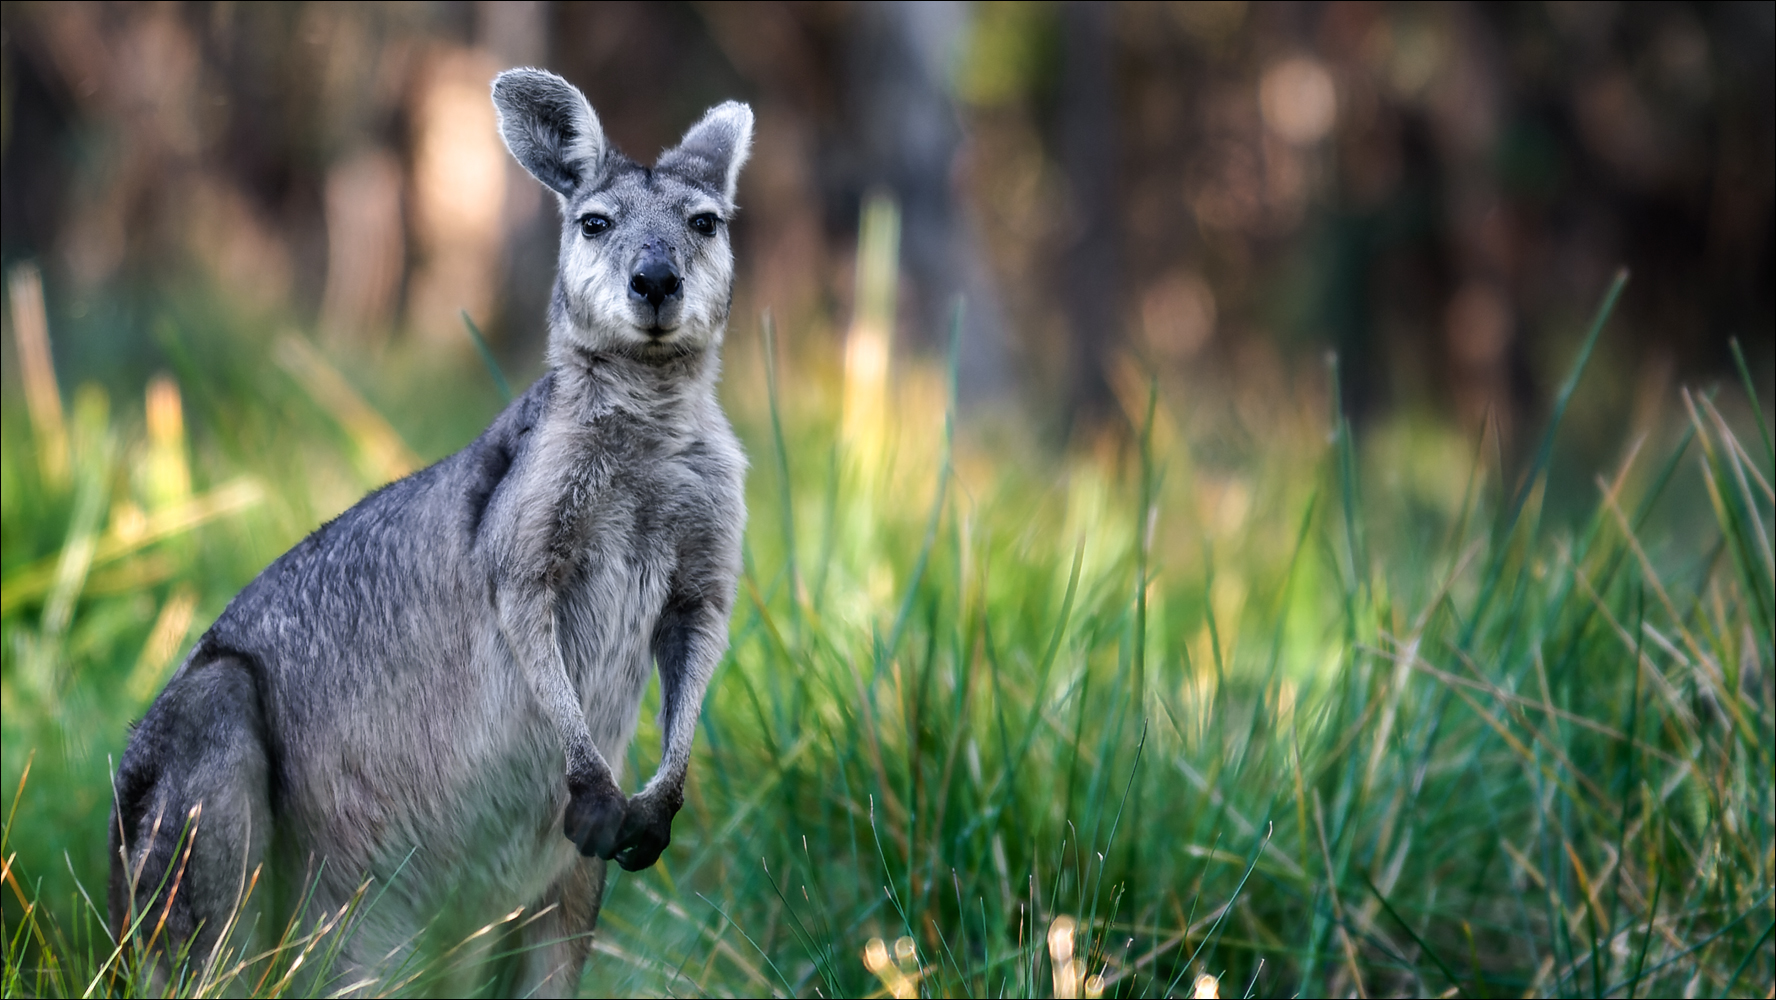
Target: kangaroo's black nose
x: 656, y: 281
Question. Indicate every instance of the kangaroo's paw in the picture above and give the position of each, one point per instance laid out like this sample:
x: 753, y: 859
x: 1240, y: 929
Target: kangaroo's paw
x: 646, y: 830
x: 595, y: 817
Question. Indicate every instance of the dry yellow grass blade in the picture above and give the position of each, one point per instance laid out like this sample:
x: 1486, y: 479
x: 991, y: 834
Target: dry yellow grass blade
x: 1344, y: 938
x: 385, y: 456
x: 868, y: 344
x: 43, y: 400
x: 164, y: 643
x: 33, y: 581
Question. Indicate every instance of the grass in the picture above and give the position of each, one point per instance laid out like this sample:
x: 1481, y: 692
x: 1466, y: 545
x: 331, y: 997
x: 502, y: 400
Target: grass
x: 1242, y: 696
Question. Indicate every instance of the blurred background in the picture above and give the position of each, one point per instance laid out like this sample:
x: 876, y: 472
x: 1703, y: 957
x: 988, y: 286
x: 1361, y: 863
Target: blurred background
x: 240, y: 239
x: 1217, y: 192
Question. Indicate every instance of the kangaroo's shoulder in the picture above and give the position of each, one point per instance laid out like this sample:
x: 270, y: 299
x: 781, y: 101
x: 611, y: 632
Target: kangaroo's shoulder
x: 482, y: 466
x: 400, y: 530
x: 451, y: 494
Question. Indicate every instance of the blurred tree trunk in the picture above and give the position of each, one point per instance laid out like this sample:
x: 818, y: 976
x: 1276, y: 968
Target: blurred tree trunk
x: 1485, y: 365
x: 1091, y: 285
x: 516, y: 32
x: 911, y: 135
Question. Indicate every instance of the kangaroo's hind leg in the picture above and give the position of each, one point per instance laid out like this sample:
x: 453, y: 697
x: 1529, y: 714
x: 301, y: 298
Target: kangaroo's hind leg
x: 554, y: 947
x: 193, y: 814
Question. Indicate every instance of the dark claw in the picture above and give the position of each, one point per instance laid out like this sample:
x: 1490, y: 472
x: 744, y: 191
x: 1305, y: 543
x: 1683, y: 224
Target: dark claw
x: 595, y: 819
x: 647, y: 829
x: 642, y: 854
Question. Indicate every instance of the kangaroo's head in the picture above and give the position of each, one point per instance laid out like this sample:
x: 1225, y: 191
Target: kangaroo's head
x: 646, y: 267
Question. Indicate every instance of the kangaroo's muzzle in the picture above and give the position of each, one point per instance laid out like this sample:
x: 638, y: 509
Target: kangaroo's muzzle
x: 656, y: 282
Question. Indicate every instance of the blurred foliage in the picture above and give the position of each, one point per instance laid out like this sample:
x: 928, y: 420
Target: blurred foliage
x: 1424, y: 188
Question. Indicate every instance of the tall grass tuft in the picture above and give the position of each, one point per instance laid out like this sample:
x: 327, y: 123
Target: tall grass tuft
x: 1243, y: 705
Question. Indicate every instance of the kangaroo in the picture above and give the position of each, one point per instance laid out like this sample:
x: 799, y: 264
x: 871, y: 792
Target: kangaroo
x: 433, y: 693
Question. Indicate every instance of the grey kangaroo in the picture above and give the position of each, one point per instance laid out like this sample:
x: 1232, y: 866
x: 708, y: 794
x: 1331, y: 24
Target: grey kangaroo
x: 434, y: 692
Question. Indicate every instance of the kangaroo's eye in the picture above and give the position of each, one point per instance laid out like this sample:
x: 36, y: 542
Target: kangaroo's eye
x: 704, y: 225
x: 592, y: 225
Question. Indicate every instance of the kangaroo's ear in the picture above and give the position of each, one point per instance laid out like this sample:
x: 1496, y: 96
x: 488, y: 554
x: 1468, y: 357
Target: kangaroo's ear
x: 549, y: 127
x: 715, y: 149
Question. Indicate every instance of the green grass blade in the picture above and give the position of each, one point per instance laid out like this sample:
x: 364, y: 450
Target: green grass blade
x: 1757, y: 407
x: 1535, y: 474
x: 788, y: 990
x: 1563, y: 398
x: 486, y: 352
x: 1750, y: 953
x: 1448, y: 974
x: 780, y: 451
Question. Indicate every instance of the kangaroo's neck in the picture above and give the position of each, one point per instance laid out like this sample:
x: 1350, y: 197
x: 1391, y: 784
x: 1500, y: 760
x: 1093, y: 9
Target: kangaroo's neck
x: 670, y: 393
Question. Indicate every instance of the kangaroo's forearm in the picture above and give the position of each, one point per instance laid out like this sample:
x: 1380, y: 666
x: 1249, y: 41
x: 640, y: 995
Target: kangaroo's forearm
x: 527, y: 618
x: 688, y: 647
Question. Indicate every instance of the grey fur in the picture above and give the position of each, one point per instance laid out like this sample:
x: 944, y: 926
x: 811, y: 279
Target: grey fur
x: 432, y: 689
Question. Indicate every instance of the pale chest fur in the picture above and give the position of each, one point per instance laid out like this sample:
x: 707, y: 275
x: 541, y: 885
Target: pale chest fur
x: 616, y: 503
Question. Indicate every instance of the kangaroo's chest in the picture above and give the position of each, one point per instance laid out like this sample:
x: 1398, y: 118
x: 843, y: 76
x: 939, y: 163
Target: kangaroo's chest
x: 615, y: 544
x: 619, y: 556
